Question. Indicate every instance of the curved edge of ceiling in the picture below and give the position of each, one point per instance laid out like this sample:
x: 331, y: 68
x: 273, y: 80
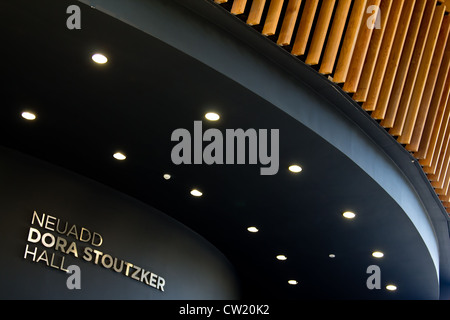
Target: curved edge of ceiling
x: 273, y: 74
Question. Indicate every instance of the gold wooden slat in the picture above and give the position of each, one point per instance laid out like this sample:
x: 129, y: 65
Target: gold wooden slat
x: 320, y: 33
x: 304, y: 29
x: 238, y: 7
x: 437, y: 179
x: 371, y: 81
x: 373, y: 59
x: 360, y: 53
x: 438, y: 163
x: 335, y: 37
x: 402, y: 72
x: 434, y: 119
x: 430, y: 162
x: 439, y: 152
x: 220, y: 1
x: 288, y: 25
x: 351, y: 36
x: 423, y: 75
x: 273, y: 16
x: 380, y: 101
x: 407, y: 93
x: 446, y: 187
x: 442, y: 187
x: 430, y: 87
x: 256, y: 11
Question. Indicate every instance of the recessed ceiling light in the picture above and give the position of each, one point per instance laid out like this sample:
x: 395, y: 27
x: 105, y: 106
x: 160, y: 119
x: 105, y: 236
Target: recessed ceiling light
x: 196, y: 193
x: 293, y: 282
x: 391, y: 287
x: 119, y: 156
x: 295, y: 168
x: 349, y: 215
x: 212, y: 116
x: 253, y: 229
x: 99, y: 58
x: 332, y: 255
x: 28, y: 115
x: 167, y: 176
x: 281, y: 257
x: 378, y: 254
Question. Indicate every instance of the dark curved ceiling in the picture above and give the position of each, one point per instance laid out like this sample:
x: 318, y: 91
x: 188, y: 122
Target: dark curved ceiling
x: 147, y: 89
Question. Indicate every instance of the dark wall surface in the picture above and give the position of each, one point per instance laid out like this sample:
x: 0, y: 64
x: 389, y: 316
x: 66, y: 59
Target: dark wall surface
x: 130, y: 231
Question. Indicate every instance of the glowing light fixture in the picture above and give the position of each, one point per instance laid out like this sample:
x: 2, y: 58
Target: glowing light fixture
x: 99, y: 58
x: 391, y: 287
x: 167, y: 176
x: 196, y: 193
x: 212, y: 116
x: 28, y: 115
x: 295, y: 168
x: 378, y: 254
x: 119, y: 156
x: 281, y: 257
x: 293, y: 282
x: 349, y: 215
x: 253, y: 229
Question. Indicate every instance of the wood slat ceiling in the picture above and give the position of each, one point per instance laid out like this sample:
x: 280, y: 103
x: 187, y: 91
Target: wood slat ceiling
x: 391, y: 56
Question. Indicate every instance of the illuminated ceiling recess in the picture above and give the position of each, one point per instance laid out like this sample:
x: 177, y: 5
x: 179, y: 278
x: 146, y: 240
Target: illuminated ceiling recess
x: 99, y: 58
x: 196, y: 193
x: 28, y: 115
x: 212, y: 116
x: 295, y: 168
x: 119, y: 156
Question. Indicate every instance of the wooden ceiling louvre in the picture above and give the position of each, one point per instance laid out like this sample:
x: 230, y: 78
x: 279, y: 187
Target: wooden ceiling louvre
x: 415, y: 64
x: 429, y: 164
x: 256, y: 11
x: 402, y: 72
x: 304, y: 29
x: 416, y: 131
x: 238, y: 7
x: 373, y: 52
x: 360, y: 53
x: 273, y: 16
x: 439, y: 163
x: 374, y: 73
x: 335, y: 37
x: 434, y: 119
x: 422, y: 76
x: 441, y: 185
x: 437, y: 179
x: 384, y: 94
x: 348, y: 47
x: 446, y: 187
x: 320, y: 32
x: 397, y: 68
x: 287, y: 28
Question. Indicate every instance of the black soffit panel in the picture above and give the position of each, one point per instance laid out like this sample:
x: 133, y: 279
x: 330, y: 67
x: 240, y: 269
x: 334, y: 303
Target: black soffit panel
x: 148, y: 89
